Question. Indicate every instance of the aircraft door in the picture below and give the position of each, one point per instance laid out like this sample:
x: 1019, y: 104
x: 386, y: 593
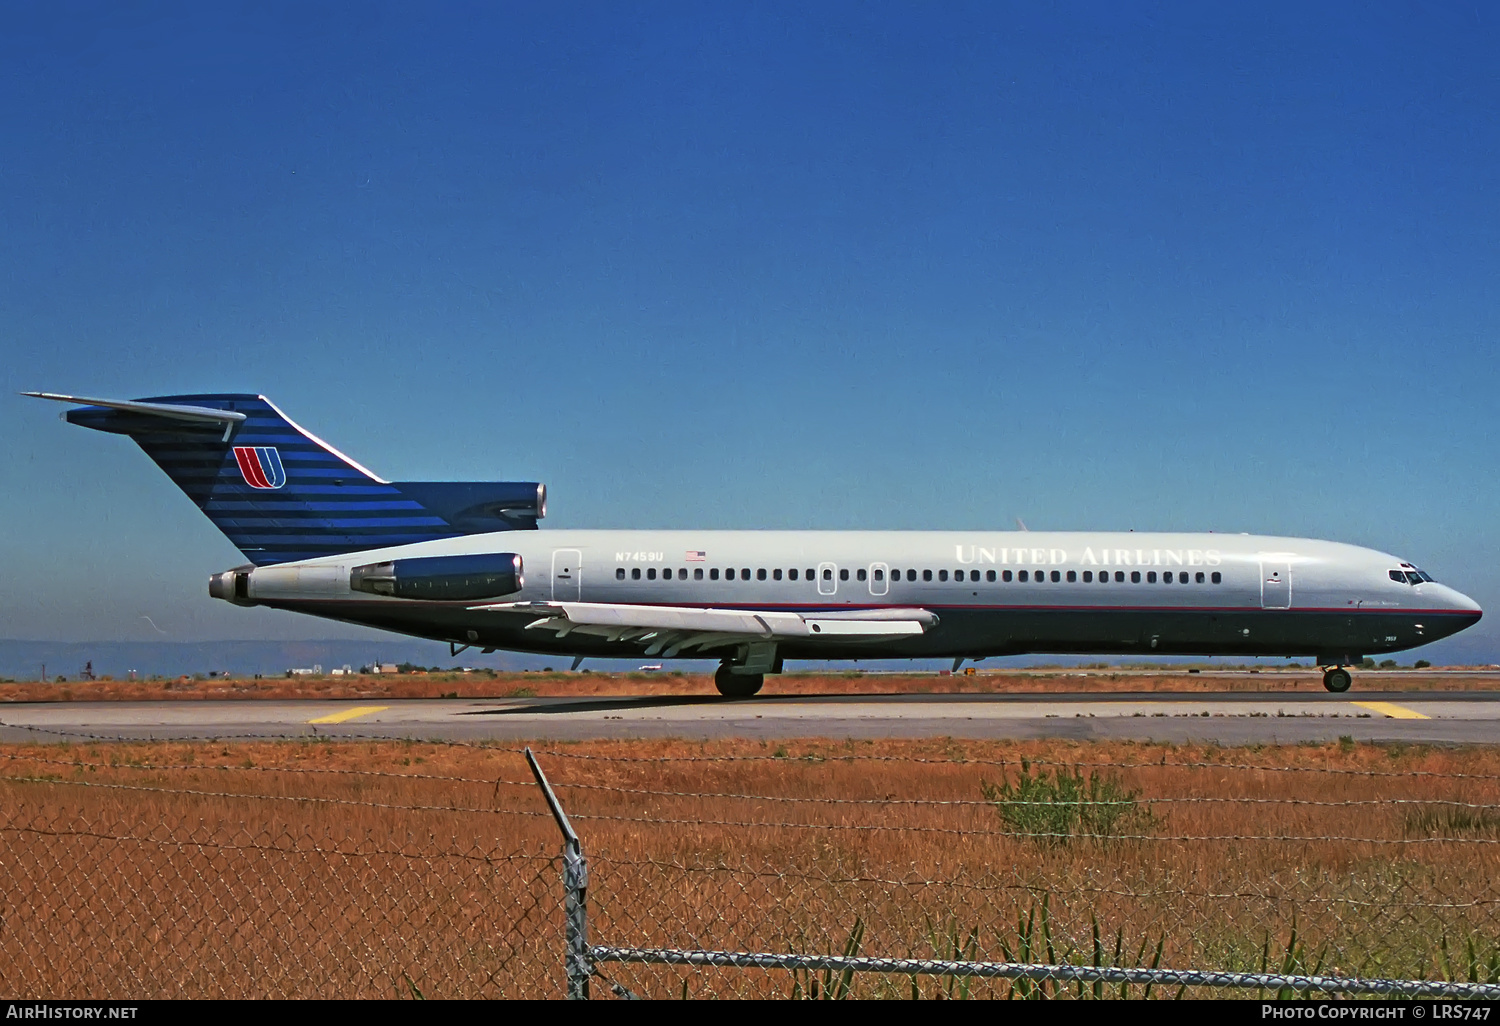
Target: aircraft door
x: 879, y: 578
x: 1275, y: 584
x: 828, y: 578
x: 567, y: 575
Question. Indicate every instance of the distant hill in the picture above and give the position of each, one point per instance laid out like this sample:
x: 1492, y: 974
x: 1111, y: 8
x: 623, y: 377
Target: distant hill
x: 23, y: 660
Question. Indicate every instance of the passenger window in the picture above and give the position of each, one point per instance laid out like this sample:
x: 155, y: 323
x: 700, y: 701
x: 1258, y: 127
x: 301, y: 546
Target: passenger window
x: 809, y: 573
x: 1088, y: 577
x: 697, y: 573
x: 1199, y: 576
x: 911, y: 575
x: 879, y: 574
x: 745, y: 574
x: 635, y: 573
x: 1056, y: 576
x: 1005, y: 577
x: 729, y: 574
x: 760, y: 575
x: 713, y: 575
x: 989, y: 575
x: 1217, y: 577
x: 1021, y: 576
x: 666, y: 574
x: 860, y: 574
x: 682, y: 573
x: 843, y: 575
x: 1072, y: 576
x: 1135, y: 577
x: 776, y: 575
x: 827, y: 575
x: 942, y: 575
x: 792, y: 574
x: 651, y: 574
x: 1150, y: 576
x: 620, y: 573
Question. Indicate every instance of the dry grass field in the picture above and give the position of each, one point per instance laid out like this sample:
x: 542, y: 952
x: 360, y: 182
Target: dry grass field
x: 585, y: 684
x: 312, y: 868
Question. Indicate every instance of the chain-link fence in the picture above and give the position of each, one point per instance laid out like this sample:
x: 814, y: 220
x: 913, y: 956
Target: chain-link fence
x: 389, y: 868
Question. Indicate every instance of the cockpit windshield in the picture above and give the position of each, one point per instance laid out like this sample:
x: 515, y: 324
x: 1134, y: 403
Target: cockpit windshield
x: 1409, y: 574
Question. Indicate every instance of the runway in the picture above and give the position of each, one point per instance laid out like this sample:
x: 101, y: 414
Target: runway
x: 1225, y: 718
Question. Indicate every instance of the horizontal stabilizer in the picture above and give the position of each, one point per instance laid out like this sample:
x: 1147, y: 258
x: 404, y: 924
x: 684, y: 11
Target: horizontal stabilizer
x: 171, y: 411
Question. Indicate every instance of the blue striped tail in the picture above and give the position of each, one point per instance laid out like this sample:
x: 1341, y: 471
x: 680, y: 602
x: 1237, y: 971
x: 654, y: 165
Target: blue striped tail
x: 281, y: 494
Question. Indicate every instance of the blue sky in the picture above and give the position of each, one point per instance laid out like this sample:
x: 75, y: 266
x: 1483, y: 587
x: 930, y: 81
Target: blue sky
x: 870, y: 265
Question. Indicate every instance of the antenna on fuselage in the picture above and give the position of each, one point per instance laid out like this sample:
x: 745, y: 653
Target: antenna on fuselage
x: 1022, y: 524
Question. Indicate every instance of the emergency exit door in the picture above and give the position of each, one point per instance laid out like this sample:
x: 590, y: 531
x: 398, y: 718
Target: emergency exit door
x: 567, y: 575
x: 1275, y: 584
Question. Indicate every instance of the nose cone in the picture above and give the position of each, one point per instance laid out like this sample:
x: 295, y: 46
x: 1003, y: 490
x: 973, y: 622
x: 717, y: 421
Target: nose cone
x: 1460, y: 603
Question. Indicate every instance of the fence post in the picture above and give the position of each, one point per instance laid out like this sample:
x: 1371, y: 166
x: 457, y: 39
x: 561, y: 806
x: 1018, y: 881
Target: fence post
x: 576, y: 959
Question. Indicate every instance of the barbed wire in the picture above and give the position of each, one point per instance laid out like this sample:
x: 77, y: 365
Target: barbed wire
x: 606, y: 862
x: 749, y: 824
x: 1013, y: 763
x: 218, y: 767
x: 308, y: 799
x: 812, y: 757
x: 1040, y: 835
x: 163, y: 842
x: 737, y: 796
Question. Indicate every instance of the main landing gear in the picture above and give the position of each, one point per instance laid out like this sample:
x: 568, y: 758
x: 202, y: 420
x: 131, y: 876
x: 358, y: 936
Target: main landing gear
x: 737, y: 685
x: 1337, y: 679
x: 742, y: 675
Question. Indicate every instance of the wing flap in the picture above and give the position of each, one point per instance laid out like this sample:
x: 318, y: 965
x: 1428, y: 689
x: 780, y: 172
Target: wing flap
x: 685, y: 627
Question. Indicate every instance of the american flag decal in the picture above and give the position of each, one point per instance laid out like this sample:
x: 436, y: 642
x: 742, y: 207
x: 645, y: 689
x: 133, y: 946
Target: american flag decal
x: 260, y: 466
x: 695, y: 556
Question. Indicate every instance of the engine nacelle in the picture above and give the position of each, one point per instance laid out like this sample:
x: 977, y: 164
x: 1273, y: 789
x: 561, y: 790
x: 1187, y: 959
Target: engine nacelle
x: 233, y: 585
x: 442, y: 578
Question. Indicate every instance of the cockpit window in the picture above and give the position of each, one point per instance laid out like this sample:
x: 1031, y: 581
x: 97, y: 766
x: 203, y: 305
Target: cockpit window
x: 1397, y: 576
x: 1411, y: 575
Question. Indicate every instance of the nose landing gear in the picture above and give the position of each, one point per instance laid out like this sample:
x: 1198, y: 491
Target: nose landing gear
x: 1337, y: 679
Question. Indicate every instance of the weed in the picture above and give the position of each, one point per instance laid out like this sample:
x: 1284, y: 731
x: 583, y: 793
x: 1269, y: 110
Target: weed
x: 807, y: 985
x: 1054, y: 807
x: 1452, y: 822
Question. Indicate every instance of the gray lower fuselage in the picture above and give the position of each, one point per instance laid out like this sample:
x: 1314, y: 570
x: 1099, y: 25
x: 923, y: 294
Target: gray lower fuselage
x: 993, y: 593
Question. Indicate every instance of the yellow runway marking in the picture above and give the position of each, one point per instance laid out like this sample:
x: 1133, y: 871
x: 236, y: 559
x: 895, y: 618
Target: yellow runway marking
x: 349, y: 714
x: 1394, y: 711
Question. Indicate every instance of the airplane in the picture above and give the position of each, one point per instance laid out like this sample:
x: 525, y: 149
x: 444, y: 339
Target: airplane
x: 464, y: 562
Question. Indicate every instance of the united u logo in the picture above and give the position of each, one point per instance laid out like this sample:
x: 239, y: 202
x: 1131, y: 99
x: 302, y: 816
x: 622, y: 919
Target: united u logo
x: 260, y: 466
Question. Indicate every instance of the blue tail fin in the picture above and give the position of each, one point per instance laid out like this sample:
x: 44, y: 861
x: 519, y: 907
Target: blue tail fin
x: 281, y: 494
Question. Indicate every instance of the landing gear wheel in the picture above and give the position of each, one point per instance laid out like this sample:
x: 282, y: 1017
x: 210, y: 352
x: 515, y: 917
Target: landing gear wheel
x: 737, y: 685
x: 1337, y: 679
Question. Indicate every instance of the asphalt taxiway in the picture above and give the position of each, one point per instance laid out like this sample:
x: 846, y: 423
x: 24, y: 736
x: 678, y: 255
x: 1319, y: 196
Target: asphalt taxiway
x: 1458, y: 717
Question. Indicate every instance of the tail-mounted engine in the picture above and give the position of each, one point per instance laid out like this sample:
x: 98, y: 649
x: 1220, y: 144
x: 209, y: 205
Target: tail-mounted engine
x: 442, y: 578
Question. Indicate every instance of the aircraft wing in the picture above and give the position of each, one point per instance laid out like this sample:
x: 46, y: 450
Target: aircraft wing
x: 671, y: 630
